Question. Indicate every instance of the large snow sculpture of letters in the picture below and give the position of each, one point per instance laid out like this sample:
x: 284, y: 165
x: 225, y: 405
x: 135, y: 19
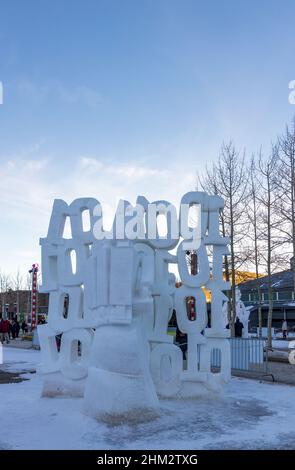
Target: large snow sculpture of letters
x: 110, y: 301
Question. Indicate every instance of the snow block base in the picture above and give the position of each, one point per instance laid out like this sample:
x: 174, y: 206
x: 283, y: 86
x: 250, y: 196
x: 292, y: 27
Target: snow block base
x: 117, y: 398
x: 56, y: 384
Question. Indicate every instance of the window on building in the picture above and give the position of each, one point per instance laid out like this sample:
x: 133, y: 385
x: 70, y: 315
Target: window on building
x: 285, y: 295
x: 245, y: 297
x: 254, y: 297
x: 265, y: 296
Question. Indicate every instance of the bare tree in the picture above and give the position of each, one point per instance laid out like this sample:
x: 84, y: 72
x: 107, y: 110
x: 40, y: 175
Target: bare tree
x: 270, y: 221
x: 229, y: 178
x: 17, y: 284
x: 5, y: 285
x: 254, y: 234
x: 286, y: 184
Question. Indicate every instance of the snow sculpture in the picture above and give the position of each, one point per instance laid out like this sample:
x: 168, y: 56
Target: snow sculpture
x: 111, y: 296
x: 242, y: 313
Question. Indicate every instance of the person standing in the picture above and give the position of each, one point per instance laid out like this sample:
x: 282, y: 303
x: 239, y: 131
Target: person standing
x: 4, y: 330
x: 9, y: 329
x: 24, y: 327
x: 181, y: 341
x: 285, y: 329
x: 17, y: 328
x: 13, y: 329
x: 238, y: 328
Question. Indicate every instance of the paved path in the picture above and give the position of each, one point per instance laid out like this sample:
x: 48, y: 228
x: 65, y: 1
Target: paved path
x: 281, y: 372
x: 18, y: 343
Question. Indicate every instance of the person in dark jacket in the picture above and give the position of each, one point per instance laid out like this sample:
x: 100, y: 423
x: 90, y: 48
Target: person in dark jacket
x: 181, y: 341
x: 13, y: 329
x: 17, y: 328
x: 238, y: 328
x: 10, y: 331
x: 24, y: 327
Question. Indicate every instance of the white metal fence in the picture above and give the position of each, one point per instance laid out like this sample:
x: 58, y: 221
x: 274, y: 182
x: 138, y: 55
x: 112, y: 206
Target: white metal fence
x: 247, y: 354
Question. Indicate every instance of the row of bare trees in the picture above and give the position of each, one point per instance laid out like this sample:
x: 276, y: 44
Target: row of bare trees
x: 259, y: 212
x: 10, y: 282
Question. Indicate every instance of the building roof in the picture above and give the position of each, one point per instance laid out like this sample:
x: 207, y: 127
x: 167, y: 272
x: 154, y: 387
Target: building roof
x: 279, y: 281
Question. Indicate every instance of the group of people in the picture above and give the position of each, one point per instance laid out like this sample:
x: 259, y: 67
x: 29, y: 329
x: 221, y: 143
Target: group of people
x: 9, y: 329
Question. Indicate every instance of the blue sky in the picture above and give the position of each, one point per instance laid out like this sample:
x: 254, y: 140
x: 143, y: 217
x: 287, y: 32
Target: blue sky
x: 115, y: 98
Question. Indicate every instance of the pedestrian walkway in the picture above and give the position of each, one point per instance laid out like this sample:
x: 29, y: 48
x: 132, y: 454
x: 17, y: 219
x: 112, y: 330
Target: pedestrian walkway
x: 18, y: 343
x: 281, y: 372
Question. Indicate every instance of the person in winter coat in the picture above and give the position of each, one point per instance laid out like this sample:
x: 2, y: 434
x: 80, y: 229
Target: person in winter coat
x: 17, y: 328
x: 24, y: 327
x: 13, y: 329
x: 4, y: 330
x: 10, y: 335
x: 285, y: 329
x: 181, y: 341
x: 238, y: 328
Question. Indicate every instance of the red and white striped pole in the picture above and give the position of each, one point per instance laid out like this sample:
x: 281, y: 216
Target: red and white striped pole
x: 34, y: 297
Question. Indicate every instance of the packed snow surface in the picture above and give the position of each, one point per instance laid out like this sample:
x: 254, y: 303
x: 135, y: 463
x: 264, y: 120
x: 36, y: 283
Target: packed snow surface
x: 249, y: 415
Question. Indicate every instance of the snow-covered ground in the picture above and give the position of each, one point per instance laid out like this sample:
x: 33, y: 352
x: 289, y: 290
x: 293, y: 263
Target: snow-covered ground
x: 281, y: 344
x: 250, y: 415
x: 278, y: 342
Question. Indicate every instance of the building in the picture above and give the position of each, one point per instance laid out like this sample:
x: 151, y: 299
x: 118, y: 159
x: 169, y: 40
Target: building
x: 18, y: 303
x: 283, y: 298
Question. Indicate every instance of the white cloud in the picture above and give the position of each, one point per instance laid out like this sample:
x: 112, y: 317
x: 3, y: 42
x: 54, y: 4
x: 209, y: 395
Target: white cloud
x: 55, y: 89
x: 133, y: 172
x: 28, y: 188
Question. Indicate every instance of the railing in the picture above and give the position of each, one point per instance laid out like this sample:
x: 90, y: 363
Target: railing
x: 247, y: 354
x: 266, y: 302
